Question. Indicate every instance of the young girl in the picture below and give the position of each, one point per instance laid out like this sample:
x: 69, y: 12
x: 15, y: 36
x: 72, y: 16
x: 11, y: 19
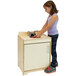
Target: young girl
x: 51, y: 27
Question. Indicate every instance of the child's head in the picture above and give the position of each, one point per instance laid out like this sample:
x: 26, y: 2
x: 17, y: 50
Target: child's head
x: 50, y: 7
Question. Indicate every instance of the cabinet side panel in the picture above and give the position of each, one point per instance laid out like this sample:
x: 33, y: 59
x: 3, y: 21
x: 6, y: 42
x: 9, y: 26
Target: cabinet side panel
x: 50, y: 51
x: 20, y: 53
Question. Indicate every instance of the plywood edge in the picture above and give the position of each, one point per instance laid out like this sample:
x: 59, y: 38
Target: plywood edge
x: 23, y: 57
x: 50, y: 50
x: 20, y: 53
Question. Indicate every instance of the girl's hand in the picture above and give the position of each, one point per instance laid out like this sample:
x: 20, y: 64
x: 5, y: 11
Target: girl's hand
x: 38, y: 35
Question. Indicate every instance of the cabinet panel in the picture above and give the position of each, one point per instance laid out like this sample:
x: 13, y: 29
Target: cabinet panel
x: 36, y: 55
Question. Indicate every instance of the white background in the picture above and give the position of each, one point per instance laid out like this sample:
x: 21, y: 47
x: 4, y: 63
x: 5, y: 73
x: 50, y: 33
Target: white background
x: 28, y: 15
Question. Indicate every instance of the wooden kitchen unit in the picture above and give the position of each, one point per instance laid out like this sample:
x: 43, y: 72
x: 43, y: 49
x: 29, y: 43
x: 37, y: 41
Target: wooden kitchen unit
x: 34, y: 54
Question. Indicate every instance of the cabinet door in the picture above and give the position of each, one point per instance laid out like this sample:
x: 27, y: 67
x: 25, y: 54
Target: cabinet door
x: 36, y: 55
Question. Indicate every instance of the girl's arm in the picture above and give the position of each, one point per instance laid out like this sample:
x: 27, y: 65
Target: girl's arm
x: 53, y: 19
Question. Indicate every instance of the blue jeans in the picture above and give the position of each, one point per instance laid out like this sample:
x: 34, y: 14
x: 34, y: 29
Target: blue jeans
x: 53, y: 50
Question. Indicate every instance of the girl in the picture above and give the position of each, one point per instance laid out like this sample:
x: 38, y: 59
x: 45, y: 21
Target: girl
x: 51, y: 25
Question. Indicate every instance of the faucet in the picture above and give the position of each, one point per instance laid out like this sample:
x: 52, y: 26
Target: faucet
x: 31, y: 34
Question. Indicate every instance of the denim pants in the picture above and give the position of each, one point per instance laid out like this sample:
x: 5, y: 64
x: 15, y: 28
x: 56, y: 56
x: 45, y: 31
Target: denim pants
x: 53, y: 50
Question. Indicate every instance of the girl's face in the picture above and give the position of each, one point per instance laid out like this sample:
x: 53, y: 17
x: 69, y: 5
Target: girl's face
x: 47, y: 9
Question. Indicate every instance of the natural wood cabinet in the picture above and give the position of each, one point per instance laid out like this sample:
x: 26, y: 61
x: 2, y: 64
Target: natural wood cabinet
x: 33, y: 53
